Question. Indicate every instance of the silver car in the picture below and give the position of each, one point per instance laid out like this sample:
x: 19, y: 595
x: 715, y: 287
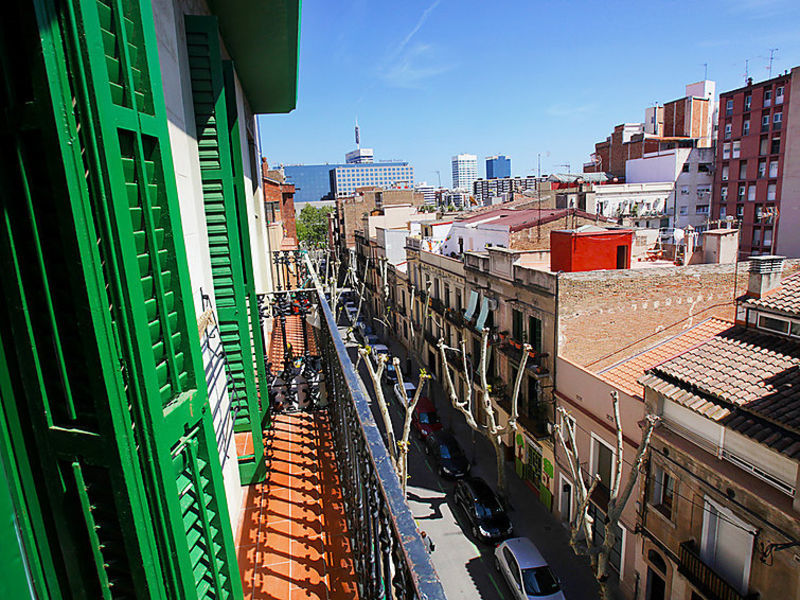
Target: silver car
x: 526, y: 571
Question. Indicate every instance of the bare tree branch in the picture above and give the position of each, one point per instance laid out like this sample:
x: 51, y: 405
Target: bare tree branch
x: 375, y: 375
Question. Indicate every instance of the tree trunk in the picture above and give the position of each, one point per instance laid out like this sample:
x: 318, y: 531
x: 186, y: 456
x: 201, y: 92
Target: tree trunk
x: 499, y: 452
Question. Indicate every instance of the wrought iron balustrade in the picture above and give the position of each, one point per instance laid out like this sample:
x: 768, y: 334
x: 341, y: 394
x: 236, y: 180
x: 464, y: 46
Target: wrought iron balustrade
x: 705, y: 578
x: 389, y: 555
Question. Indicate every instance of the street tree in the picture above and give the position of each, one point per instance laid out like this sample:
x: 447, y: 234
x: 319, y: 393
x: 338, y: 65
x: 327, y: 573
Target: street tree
x: 486, y: 409
x: 581, y: 539
x: 375, y: 373
x: 409, y: 405
x: 312, y: 226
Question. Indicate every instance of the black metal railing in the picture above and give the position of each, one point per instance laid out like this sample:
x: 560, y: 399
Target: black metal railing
x: 388, y: 553
x: 456, y: 317
x: 708, y: 581
x: 437, y: 305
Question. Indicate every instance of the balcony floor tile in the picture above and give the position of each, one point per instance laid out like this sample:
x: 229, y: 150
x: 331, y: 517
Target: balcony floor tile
x: 292, y: 540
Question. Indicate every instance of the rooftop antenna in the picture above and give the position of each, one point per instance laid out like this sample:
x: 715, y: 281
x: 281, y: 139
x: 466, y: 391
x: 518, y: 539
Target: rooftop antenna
x: 772, y: 52
x: 746, y: 70
x: 358, y: 139
x: 705, y: 72
x: 439, y: 175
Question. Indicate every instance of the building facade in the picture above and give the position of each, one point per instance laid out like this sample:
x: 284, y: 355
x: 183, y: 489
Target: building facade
x: 465, y: 171
x: 720, y: 506
x: 346, y: 178
x: 758, y: 163
x: 498, y: 166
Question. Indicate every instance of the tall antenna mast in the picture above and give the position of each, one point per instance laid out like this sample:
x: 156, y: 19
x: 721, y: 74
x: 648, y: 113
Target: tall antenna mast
x: 746, y: 70
x: 772, y: 52
x: 705, y: 72
x: 358, y: 139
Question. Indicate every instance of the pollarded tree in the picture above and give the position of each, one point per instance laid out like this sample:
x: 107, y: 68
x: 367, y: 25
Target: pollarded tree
x: 398, y: 452
x: 494, y: 432
x: 580, y: 527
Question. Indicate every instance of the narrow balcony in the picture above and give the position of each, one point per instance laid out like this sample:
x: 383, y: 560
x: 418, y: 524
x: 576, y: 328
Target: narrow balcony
x: 330, y: 520
x: 710, y: 583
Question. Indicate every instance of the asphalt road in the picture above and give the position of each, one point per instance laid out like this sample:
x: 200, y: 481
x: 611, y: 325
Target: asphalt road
x: 466, y: 566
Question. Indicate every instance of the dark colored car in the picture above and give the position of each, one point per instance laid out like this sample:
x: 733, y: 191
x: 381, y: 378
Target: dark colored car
x: 448, y: 455
x: 425, y: 419
x: 487, y: 518
x: 389, y: 374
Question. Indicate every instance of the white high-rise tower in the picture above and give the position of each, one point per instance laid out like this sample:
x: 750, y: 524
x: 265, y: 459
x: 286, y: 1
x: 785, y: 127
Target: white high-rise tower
x: 465, y: 171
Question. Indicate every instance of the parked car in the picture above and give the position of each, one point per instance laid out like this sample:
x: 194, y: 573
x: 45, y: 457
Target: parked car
x: 487, y: 518
x: 449, y: 457
x: 425, y: 419
x: 526, y: 572
x: 389, y: 374
x: 377, y: 350
x: 411, y: 389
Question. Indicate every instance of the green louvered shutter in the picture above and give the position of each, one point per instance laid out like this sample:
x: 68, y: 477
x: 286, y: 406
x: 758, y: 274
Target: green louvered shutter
x: 256, y: 332
x: 224, y: 233
x: 96, y: 320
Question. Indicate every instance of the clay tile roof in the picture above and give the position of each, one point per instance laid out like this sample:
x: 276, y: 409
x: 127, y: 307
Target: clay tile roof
x: 743, y: 378
x: 785, y: 298
x: 625, y: 374
x: 294, y: 336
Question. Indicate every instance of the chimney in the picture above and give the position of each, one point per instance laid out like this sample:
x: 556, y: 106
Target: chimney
x: 765, y: 274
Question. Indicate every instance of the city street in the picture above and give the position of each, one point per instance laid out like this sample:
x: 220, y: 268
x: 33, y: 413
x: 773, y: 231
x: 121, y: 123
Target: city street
x: 465, y: 566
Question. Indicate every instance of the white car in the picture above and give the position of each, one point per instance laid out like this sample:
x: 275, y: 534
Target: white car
x: 525, y: 571
x: 411, y: 389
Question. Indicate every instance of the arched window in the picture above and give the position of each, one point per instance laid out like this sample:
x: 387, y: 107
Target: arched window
x: 656, y: 560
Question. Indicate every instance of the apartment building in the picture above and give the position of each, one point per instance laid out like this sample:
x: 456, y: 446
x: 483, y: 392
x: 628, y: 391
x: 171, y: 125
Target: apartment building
x: 465, y: 171
x: 686, y: 122
x: 691, y: 172
x: 719, y: 512
x: 758, y: 163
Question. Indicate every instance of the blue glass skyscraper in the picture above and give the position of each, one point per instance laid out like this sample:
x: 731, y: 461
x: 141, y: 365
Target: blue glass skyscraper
x: 498, y: 166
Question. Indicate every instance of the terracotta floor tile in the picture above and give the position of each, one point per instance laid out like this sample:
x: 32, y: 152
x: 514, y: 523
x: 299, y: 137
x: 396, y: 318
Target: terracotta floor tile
x: 293, y: 536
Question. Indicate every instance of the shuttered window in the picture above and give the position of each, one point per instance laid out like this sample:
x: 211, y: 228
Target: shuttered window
x: 221, y: 170
x: 98, y: 354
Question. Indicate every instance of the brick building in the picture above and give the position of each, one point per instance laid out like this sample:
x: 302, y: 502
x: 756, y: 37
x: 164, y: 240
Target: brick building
x: 683, y: 123
x: 758, y: 164
x: 279, y: 199
x: 351, y: 209
x: 720, y: 510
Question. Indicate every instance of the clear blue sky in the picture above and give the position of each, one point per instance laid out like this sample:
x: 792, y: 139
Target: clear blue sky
x: 430, y: 79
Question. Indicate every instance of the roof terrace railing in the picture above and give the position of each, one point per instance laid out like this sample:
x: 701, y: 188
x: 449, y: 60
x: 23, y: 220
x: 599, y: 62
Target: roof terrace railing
x: 390, y: 558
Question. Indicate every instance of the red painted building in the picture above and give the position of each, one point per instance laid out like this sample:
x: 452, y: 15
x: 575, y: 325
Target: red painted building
x: 590, y: 248
x: 751, y: 161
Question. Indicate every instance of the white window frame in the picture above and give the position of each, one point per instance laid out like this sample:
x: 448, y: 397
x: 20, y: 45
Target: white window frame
x: 593, y: 457
x: 728, y: 515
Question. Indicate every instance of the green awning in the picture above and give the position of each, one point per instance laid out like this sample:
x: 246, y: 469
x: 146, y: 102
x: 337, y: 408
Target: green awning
x: 262, y: 37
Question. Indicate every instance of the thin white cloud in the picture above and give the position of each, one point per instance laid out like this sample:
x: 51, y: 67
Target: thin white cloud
x: 420, y: 22
x: 415, y: 66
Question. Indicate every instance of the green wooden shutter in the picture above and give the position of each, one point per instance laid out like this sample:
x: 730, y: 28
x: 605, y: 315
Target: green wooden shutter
x: 227, y: 245
x: 256, y: 332
x: 95, y: 317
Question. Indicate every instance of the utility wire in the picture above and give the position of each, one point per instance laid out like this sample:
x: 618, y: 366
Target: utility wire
x: 676, y: 494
